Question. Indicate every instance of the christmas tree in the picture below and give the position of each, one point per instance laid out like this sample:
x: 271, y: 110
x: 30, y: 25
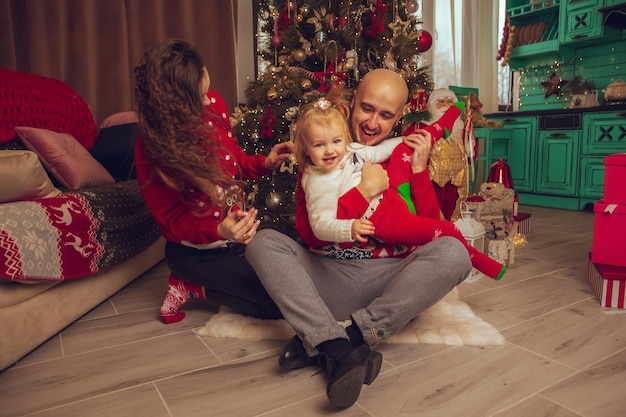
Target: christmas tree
x: 305, y: 48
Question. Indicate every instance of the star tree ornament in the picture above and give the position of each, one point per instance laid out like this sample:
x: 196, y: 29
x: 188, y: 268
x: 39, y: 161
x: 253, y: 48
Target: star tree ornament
x: 335, y: 77
x: 553, y: 85
x: 267, y: 124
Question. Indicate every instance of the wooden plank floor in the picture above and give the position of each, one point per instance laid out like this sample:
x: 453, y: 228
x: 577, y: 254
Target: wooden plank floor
x: 565, y: 355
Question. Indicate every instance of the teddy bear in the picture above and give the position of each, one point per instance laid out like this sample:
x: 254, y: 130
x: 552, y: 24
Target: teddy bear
x: 493, y: 205
x: 478, y: 120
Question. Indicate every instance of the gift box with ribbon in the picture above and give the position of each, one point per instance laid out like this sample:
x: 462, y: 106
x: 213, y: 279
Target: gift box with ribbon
x: 608, y: 283
x: 609, y: 230
x: 614, y: 174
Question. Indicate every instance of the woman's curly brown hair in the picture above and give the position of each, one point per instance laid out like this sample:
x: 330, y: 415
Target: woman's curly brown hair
x: 181, y: 146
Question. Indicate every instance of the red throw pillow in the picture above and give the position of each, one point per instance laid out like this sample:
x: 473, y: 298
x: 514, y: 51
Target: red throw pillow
x: 65, y: 158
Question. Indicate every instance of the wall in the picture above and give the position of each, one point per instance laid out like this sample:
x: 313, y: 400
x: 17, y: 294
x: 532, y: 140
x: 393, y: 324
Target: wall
x: 601, y: 64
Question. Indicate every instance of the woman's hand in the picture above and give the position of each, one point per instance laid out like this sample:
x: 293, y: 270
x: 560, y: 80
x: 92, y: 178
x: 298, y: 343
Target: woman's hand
x: 421, y: 143
x: 278, y: 154
x: 239, y: 225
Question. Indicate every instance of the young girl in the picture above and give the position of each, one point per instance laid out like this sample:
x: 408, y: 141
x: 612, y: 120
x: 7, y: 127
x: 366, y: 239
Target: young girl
x: 189, y: 169
x: 332, y: 165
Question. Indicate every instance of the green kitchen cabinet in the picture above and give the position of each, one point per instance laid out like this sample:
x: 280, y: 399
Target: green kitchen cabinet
x: 581, y: 23
x: 493, y: 144
x: 536, y: 33
x: 558, y: 161
x: 521, y: 133
x: 591, y: 180
x: 605, y: 133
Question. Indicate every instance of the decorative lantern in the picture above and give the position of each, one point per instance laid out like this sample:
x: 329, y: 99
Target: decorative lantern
x: 472, y: 230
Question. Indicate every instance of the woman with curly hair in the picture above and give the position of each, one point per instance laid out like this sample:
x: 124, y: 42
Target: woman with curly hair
x: 190, y: 171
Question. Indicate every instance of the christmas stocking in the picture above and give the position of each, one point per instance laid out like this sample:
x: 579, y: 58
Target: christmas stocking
x: 399, y: 168
x: 178, y: 293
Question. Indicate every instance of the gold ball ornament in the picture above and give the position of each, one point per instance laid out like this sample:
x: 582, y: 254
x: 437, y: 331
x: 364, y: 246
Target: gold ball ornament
x: 272, y: 94
x: 299, y: 55
x: 306, y: 84
x: 273, y: 201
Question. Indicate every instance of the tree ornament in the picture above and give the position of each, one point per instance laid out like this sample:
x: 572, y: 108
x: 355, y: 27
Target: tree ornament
x: 251, y: 197
x: 290, y: 164
x: 299, y: 55
x: 335, y: 77
x: 283, y: 22
x: 283, y: 60
x: 377, y: 14
x: 273, y: 200
x: 306, y: 84
x: 553, y: 85
x: 272, y: 94
x: 425, y: 41
x: 412, y: 6
x: 399, y: 27
x: 276, y: 41
x: 267, y: 124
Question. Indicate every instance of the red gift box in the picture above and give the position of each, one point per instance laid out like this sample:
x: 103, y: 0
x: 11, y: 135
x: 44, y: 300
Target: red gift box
x: 609, y: 231
x: 608, y: 283
x: 614, y: 176
x: 523, y: 221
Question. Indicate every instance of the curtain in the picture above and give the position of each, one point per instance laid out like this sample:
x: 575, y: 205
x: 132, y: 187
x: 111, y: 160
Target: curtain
x: 480, y: 46
x: 93, y: 45
x: 465, y: 46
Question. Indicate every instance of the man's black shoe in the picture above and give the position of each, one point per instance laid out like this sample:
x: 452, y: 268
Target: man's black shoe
x: 294, y: 355
x: 348, y: 374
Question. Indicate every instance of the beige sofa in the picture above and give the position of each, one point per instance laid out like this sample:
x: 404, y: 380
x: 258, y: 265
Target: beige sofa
x: 72, y: 231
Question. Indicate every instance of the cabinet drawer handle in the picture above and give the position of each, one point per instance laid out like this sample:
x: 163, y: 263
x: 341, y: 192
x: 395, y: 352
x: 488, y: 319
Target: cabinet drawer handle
x: 575, y: 37
x: 557, y: 135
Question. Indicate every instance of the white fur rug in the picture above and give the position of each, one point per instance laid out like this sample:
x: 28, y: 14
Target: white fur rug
x: 449, y: 322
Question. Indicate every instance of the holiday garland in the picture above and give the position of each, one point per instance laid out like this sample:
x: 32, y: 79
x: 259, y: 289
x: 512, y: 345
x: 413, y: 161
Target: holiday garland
x: 506, y: 44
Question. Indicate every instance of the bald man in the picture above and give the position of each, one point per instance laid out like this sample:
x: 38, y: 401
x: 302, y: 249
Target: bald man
x: 379, y: 288
x: 377, y: 105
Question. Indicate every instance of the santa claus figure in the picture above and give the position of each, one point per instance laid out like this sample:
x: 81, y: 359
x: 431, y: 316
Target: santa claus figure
x: 448, y: 159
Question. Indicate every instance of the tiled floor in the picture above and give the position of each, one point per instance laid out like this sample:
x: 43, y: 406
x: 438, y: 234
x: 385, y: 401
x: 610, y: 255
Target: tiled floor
x: 565, y: 355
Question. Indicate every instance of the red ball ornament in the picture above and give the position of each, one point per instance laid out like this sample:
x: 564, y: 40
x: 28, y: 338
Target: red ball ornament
x: 425, y: 41
x: 275, y: 41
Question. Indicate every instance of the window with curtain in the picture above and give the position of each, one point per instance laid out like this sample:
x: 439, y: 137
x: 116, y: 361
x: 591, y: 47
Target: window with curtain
x: 466, y: 37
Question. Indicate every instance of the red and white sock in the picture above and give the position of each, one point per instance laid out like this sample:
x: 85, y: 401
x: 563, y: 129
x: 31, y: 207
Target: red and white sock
x: 178, y: 293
